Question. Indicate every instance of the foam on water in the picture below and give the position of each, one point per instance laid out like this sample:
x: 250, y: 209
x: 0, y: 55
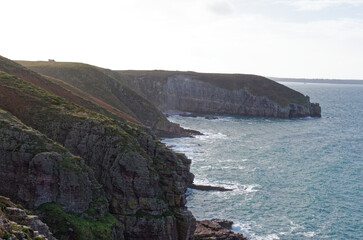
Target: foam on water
x: 307, y: 234
x: 246, y: 230
x: 210, y: 136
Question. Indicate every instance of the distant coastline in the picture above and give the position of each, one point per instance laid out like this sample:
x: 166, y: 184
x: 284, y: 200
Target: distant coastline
x: 303, y: 80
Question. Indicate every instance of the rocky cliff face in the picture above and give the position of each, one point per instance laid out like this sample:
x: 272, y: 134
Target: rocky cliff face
x: 144, y: 182
x: 188, y: 92
x: 38, y: 171
x: 121, y: 167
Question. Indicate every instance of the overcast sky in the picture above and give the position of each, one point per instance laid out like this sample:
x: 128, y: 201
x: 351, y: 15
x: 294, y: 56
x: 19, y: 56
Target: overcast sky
x: 280, y: 38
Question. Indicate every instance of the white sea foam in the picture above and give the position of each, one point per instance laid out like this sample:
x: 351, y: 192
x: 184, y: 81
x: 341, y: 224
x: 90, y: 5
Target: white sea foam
x: 209, y: 136
x: 245, y: 228
x: 251, y: 188
x: 295, y: 226
x: 307, y: 234
x: 267, y: 237
x: 241, y: 228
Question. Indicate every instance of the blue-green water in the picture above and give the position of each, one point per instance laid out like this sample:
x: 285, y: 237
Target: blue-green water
x: 292, y: 179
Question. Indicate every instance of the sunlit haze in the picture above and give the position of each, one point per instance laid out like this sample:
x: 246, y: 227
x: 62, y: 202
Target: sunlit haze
x: 292, y: 38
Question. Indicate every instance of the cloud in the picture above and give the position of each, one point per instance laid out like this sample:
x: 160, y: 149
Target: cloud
x: 221, y: 7
x: 199, y: 35
x: 316, y: 5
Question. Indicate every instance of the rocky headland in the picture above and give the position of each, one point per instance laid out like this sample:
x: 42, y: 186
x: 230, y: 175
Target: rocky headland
x: 234, y: 94
x: 89, y: 176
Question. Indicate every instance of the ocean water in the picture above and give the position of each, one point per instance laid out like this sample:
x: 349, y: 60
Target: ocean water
x: 291, y: 179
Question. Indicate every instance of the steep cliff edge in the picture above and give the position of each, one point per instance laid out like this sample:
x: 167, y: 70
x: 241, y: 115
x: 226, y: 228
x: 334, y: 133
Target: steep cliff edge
x: 143, y: 182
x: 235, y: 94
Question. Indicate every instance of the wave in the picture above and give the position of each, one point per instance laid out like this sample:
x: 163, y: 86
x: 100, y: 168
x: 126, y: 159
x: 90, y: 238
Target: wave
x: 237, y: 188
x: 209, y: 136
x: 245, y: 228
x: 307, y: 234
x: 273, y: 236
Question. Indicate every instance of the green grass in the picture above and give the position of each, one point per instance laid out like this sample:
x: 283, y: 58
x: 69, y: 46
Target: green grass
x: 60, y: 88
x: 75, y: 226
x: 44, y: 106
x: 36, y: 142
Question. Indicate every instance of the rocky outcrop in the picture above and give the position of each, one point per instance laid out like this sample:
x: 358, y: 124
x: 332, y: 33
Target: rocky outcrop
x: 16, y: 223
x: 218, y: 229
x: 192, y: 92
x: 167, y: 130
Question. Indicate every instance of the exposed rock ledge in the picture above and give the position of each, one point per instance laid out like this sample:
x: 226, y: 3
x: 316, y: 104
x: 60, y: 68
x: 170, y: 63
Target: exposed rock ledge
x: 216, y: 229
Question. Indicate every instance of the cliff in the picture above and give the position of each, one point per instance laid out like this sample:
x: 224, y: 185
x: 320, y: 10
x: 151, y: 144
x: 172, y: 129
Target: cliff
x: 143, y: 182
x: 235, y: 94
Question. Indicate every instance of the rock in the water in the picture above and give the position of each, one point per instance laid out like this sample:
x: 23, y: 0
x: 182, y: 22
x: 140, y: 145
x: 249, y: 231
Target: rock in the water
x: 211, y: 117
x: 209, y: 188
x: 216, y: 229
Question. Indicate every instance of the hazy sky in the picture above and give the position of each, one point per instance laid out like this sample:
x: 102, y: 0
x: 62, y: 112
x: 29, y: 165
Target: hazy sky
x: 281, y: 38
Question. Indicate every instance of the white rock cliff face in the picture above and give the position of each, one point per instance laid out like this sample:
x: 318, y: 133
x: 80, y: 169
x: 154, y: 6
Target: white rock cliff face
x: 186, y: 93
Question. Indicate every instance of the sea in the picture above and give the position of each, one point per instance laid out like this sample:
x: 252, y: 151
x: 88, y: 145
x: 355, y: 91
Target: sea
x: 291, y: 178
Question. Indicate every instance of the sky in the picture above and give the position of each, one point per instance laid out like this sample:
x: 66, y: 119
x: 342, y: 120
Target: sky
x: 273, y: 38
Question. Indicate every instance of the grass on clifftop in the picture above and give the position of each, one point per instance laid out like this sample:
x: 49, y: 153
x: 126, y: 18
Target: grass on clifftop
x: 74, y: 225
x: 93, y: 81
x: 42, y: 110
x: 257, y: 85
x: 35, y: 104
x: 61, y: 88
